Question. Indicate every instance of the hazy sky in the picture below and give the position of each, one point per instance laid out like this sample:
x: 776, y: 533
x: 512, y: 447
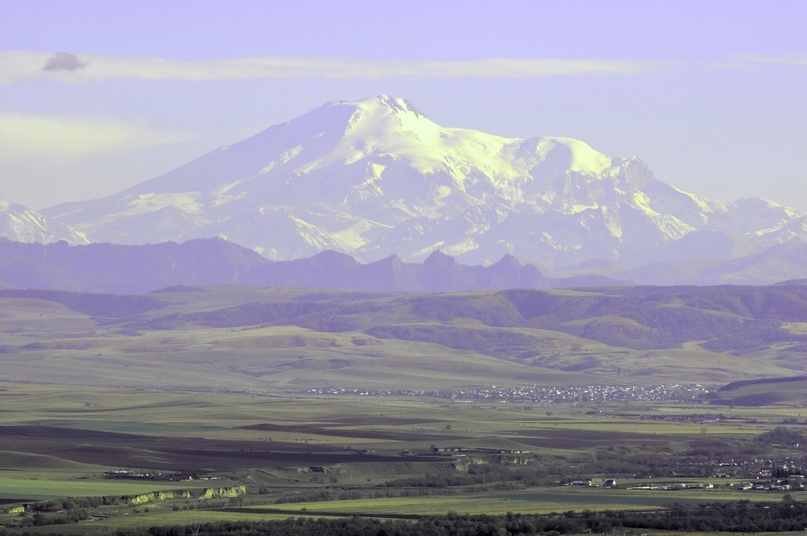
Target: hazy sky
x: 96, y: 96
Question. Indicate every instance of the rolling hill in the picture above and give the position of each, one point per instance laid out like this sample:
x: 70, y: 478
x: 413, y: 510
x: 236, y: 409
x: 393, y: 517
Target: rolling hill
x: 274, y: 339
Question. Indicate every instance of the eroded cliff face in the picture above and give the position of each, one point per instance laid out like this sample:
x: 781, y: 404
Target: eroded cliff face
x: 204, y: 493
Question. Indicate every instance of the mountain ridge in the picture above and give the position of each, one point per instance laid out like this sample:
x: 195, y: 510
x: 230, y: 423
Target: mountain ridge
x: 22, y: 224
x: 126, y: 269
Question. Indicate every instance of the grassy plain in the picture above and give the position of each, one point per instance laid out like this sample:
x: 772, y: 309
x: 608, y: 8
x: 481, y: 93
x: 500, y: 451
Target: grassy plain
x: 537, y: 501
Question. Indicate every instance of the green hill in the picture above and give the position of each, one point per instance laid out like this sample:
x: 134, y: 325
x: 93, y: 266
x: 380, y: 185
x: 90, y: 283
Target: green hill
x: 269, y: 339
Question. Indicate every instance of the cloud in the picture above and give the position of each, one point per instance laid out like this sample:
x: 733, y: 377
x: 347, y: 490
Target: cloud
x: 66, y: 138
x: 63, y: 61
x: 18, y: 65
x: 795, y: 61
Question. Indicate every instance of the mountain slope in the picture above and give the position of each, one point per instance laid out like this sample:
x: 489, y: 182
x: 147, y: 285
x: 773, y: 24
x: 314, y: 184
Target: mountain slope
x: 22, y: 224
x: 777, y: 263
x: 376, y: 178
x: 124, y: 269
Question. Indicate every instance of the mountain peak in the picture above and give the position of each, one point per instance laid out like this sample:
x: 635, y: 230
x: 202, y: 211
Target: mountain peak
x: 385, y: 103
x: 438, y: 259
x: 384, y: 118
x: 22, y: 224
x: 375, y: 177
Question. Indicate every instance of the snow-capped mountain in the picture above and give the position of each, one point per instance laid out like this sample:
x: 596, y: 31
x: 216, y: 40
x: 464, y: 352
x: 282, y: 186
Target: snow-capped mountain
x: 22, y: 224
x: 375, y: 177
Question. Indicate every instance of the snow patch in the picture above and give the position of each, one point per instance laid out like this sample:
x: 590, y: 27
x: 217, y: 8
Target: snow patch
x: 145, y: 203
x: 291, y: 154
x: 466, y: 246
x: 425, y: 251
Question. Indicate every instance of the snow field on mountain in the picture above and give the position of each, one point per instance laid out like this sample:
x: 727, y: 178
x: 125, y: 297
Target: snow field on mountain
x: 375, y: 177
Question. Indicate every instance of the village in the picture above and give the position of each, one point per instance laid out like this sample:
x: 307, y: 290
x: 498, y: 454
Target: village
x: 539, y: 394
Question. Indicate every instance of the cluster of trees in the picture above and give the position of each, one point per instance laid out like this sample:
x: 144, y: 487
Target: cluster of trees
x: 717, y: 448
x: 72, y: 503
x: 741, y: 516
x: 59, y: 518
x: 476, y: 474
x: 59, y: 511
x: 782, y: 436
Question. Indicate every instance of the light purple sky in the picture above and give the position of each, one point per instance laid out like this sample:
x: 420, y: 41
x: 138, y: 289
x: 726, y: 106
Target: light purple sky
x: 710, y: 94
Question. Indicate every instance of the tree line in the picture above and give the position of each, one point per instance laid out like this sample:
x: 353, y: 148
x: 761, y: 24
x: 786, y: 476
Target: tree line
x: 741, y: 516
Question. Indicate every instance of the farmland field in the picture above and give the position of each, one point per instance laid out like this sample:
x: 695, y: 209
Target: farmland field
x: 380, y: 456
x: 176, y: 412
